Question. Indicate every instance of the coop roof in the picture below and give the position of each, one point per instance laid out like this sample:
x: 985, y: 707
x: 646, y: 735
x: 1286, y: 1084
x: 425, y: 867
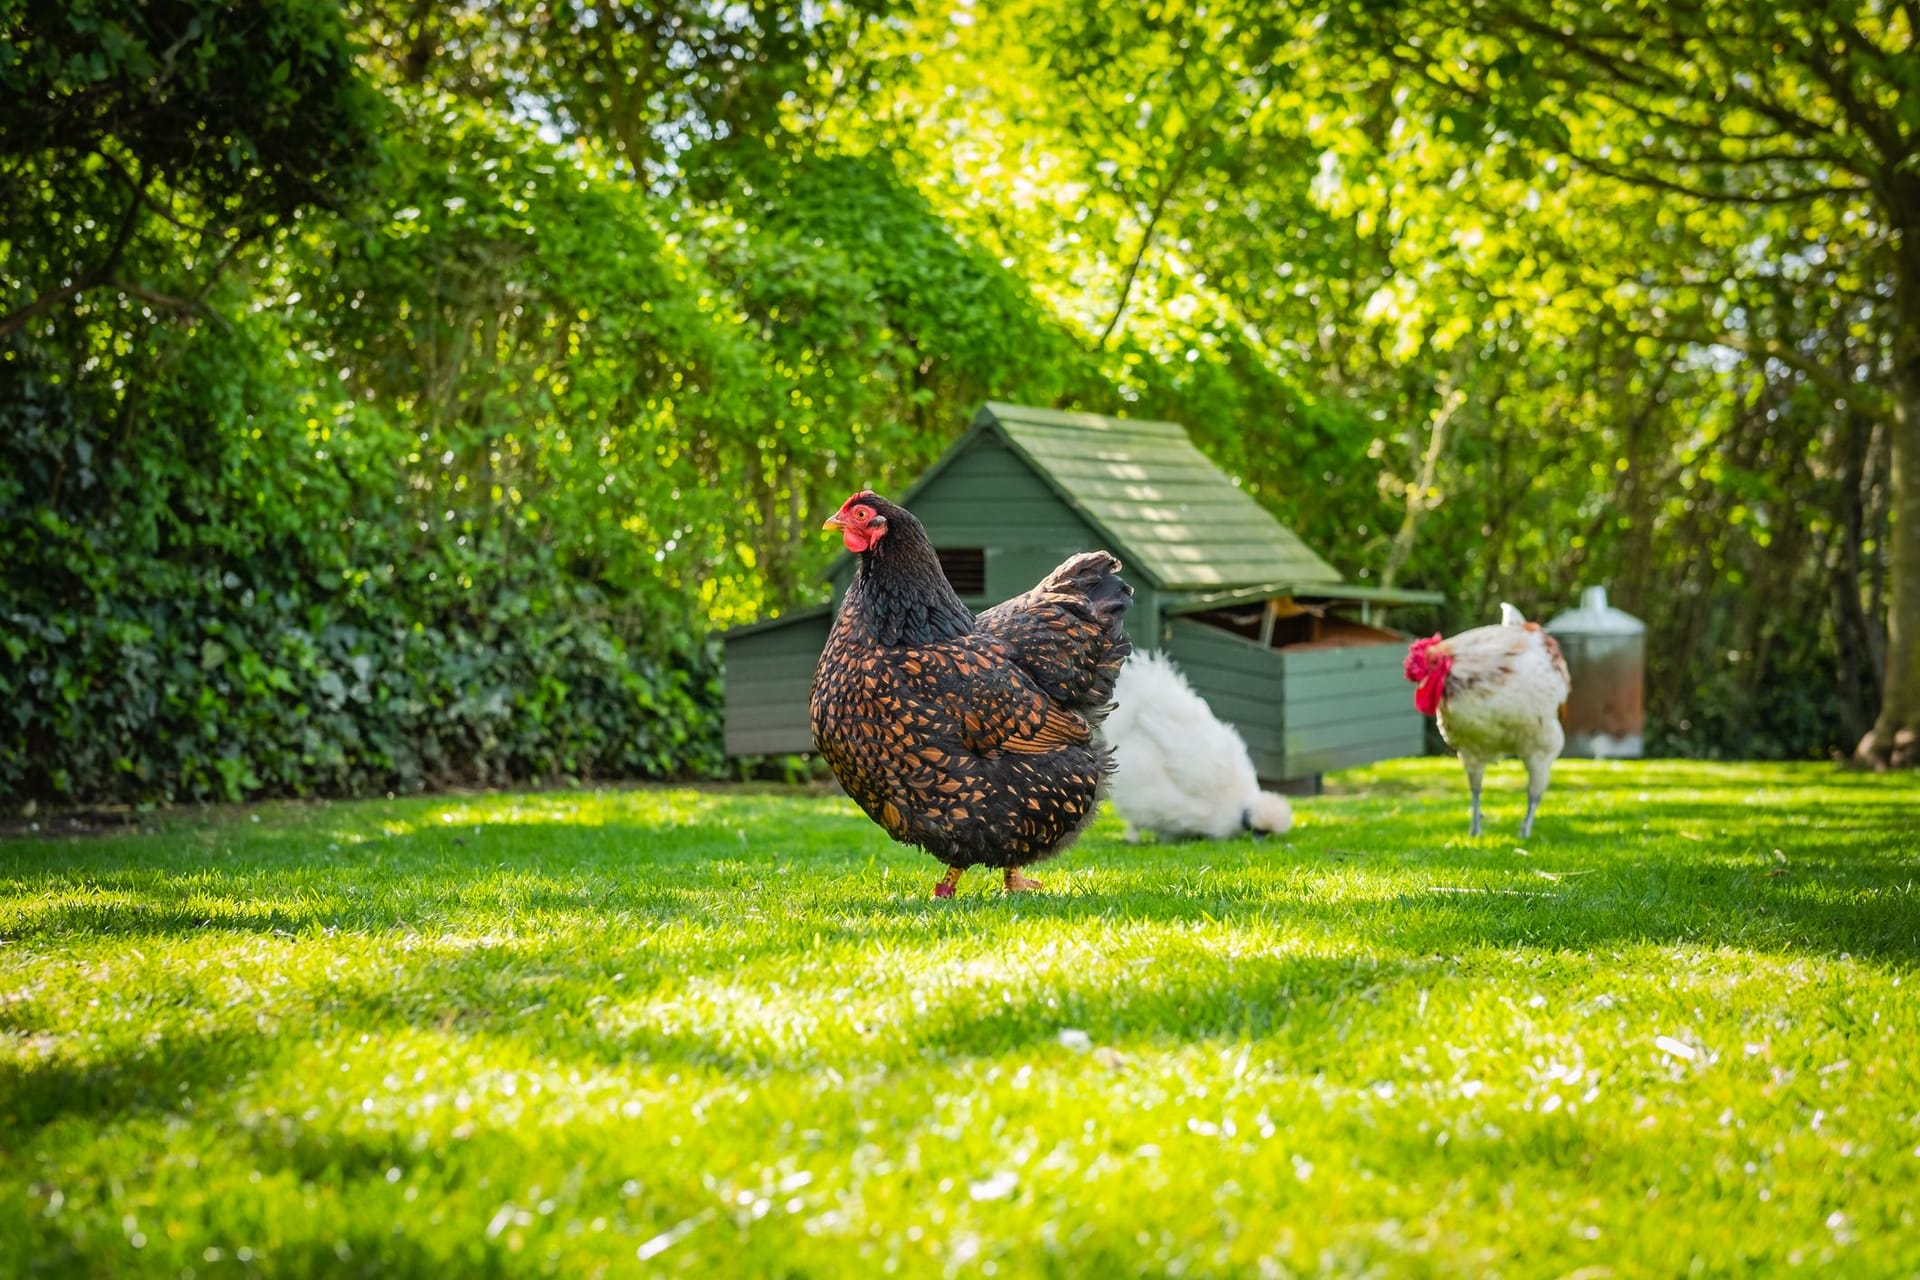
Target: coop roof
x: 1230, y: 597
x: 1166, y: 509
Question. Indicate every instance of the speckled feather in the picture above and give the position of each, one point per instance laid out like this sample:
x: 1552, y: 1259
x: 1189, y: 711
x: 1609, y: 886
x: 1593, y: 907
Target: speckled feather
x: 970, y: 737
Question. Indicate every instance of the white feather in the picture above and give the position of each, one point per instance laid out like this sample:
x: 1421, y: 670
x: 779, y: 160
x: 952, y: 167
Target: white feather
x: 1179, y: 770
x: 1509, y: 691
x: 1510, y: 616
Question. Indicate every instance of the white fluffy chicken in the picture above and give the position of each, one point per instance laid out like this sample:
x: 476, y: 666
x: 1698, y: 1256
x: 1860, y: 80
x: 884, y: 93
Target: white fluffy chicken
x: 1178, y: 770
x: 1497, y: 691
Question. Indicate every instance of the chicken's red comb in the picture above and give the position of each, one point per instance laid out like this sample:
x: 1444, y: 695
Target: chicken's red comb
x: 1415, y: 667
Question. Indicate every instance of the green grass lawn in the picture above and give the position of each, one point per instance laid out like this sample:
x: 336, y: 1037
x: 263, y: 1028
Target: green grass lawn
x: 728, y: 1032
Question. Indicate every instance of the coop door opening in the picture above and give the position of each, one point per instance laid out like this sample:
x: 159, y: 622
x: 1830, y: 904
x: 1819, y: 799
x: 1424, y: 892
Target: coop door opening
x: 1291, y: 624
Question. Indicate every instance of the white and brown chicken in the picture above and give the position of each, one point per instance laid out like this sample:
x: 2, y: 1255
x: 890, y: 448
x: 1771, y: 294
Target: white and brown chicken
x: 1496, y: 691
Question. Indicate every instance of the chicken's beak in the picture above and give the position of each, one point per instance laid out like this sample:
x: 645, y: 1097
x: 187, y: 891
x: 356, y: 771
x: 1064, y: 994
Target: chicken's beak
x: 834, y: 522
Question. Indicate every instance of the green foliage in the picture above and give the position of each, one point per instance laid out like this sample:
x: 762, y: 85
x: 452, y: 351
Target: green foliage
x: 877, y: 331
x: 222, y: 631
x: 508, y: 351
x: 256, y: 106
x: 146, y: 144
x: 456, y: 483
x: 728, y: 1032
x: 1478, y: 306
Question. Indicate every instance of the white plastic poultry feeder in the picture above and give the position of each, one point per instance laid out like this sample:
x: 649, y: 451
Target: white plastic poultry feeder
x: 1606, y: 652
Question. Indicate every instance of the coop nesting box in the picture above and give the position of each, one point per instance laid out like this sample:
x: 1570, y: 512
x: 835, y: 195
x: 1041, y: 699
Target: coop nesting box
x: 1266, y: 630
x: 1606, y: 653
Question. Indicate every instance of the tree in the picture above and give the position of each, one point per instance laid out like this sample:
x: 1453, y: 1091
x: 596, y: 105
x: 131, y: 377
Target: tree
x: 1277, y: 226
x: 1671, y: 98
x: 216, y: 121
x: 412, y: 406
x: 649, y: 83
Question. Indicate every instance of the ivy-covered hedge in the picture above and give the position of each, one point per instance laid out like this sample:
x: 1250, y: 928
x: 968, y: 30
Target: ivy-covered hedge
x: 195, y: 613
x: 227, y: 689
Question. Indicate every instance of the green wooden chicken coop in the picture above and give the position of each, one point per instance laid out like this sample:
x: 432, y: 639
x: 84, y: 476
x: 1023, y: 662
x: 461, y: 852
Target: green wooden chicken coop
x: 1265, y: 630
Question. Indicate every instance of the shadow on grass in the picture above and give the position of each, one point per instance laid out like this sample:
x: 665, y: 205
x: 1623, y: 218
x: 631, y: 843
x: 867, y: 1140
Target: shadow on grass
x: 673, y: 1006
x: 490, y: 924
x: 165, y: 1073
x: 1628, y: 777
x: 318, y: 1245
x: 490, y: 1001
x: 1843, y: 882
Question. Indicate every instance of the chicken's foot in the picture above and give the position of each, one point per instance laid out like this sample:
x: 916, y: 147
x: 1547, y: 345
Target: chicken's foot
x: 946, y: 887
x: 1017, y: 883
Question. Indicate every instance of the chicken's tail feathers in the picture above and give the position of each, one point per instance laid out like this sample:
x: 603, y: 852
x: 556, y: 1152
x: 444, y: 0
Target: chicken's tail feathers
x: 1270, y: 813
x: 1093, y: 577
x: 1510, y: 616
x: 1559, y: 663
x: 1067, y: 633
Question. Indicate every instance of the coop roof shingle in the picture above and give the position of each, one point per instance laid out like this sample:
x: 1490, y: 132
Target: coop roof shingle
x: 1171, y: 513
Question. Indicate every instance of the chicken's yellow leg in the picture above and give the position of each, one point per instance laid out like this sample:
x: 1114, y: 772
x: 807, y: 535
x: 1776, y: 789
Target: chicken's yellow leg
x: 1017, y: 883
x: 946, y: 887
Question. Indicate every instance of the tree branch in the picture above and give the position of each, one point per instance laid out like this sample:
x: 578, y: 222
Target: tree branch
x: 1708, y: 160
x: 1871, y: 125
x: 1417, y: 503
x: 226, y: 259
x: 418, y: 32
x: 1657, y: 182
x: 1642, y: 75
x: 145, y: 196
x: 1639, y: 74
x: 1791, y: 121
x: 13, y: 321
x: 1702, y: 128
x: 1147, y: 230
x: 171, y: 302
x: 1832, y: 380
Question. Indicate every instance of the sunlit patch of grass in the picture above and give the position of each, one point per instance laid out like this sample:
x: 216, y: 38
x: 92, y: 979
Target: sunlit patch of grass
x: 727, y: 1032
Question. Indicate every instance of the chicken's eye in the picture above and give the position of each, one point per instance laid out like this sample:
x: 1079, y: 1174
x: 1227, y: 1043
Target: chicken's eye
x: 863, y: 514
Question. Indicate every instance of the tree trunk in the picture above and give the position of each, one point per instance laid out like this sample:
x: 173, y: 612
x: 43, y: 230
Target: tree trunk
x: 1894, y: 740
x: 420, y: 43
x: 1854, y: 632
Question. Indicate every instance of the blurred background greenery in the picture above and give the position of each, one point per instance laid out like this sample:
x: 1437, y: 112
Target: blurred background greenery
x: 396, y: 393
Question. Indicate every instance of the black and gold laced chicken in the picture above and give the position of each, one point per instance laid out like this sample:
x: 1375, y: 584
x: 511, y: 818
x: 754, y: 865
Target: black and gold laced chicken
x: 971, y: 736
